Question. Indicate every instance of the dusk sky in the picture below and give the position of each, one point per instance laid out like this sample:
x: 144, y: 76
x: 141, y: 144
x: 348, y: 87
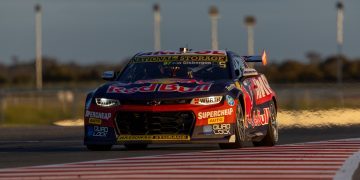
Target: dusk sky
x: 89, y: 31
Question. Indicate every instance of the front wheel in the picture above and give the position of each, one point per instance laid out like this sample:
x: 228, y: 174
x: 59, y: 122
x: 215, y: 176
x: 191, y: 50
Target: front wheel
x: 239, y: 131
x: 272, y: 134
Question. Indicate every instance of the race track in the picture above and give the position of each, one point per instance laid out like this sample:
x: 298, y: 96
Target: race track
x: 44, y: 145
x: 333, y: 159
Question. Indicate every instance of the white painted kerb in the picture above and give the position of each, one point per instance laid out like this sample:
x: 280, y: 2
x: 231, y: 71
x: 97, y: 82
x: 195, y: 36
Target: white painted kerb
x: 349, y: 167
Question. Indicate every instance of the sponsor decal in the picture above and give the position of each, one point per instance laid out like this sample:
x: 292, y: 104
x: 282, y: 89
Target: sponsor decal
x: 157, y: 53
x: 206, y: 100
x: 185, y: 58
x: 207, y: 130
x: 99, y: 115
x: 230, y: 87
x: 263, y: 89
x: 159, y: 88
x: 196, y: 62
x: 221, y: 128
x: 97, y: 131
x: 95, y: 121
x: 217, y: 113
x: 216, y: 120
x: 183, y: 89
x: 237, y: 85
x: 202, y: 58
x: 124, y: 90
x: 230, y: 100
x: 152, y: 137
x: 170, y: 81
x: 259, y: 119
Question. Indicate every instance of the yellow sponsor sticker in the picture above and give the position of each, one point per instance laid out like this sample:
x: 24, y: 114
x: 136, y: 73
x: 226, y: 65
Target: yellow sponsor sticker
x: 152, y: 137
x: 237, y: 85
x: 216, y: 120
x: 95, y: 121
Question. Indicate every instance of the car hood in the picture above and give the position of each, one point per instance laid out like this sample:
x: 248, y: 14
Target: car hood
x: 162, y: 89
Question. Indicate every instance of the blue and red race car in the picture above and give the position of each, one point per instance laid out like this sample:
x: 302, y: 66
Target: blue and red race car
x: 210, y: 96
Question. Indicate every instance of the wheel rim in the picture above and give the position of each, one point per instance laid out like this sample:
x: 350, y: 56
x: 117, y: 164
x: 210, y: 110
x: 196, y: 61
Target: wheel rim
x: 274, y: 125
x: 240, y: 123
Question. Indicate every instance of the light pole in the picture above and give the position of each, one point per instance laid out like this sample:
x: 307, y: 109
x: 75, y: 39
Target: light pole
x: 157, y: 19
x: 38, y: 47
x: 214, y: 16
x: 339, y: 38
x: 250, y: 22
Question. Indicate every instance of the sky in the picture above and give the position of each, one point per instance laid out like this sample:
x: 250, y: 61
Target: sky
x: 109, y: 31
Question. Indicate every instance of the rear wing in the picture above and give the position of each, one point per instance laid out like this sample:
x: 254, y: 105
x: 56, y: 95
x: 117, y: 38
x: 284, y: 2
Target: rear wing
x: 256, y: 58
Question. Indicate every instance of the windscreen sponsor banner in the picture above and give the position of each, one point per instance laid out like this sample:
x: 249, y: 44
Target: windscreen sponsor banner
x: 213, y: 114
x: 208, y: 52
x: 99, y: 115
x: 158, y: 88
x: 152, y: 137
x: 184, y: 58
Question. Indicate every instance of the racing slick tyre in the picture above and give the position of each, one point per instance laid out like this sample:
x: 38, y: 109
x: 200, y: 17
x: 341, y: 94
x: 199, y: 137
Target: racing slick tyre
x: 136, y: 146
x: 239, y: 131
x: 99, y: 147
x: 272, y: 134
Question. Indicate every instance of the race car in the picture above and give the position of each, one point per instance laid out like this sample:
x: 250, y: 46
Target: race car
x: 185, y: 96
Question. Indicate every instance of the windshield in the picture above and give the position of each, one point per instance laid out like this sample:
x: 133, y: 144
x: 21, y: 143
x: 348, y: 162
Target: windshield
x: 160, y: 69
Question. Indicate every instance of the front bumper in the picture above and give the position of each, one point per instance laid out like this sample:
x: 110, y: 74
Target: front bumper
x: 183, y: 123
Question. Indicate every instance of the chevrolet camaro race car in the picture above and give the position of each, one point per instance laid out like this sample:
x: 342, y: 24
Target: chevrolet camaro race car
x: 182, y: 97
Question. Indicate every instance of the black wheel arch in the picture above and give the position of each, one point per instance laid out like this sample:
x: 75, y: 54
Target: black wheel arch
x: 275, y: 102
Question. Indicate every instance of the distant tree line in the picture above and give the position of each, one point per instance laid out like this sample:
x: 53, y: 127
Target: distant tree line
x: 316, y: 69
x: 53, y: 72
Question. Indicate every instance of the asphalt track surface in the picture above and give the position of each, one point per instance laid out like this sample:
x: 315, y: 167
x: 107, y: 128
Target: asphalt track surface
x: 44, y: 145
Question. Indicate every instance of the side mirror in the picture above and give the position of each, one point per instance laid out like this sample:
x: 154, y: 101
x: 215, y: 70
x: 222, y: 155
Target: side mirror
x: 250, y: 72
x: 108, y: 75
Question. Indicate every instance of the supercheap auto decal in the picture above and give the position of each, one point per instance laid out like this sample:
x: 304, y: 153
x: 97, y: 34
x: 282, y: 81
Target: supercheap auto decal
x: 213, y: 114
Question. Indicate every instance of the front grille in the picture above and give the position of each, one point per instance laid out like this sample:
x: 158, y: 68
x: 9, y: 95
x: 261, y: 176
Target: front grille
x: 150, y: 102
x: 151, y: 123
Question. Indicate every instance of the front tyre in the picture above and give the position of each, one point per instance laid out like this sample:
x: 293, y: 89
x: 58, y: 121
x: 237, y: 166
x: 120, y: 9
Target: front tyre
x: 99, y: 147
x: 239, y: 131
x: 272, y: 134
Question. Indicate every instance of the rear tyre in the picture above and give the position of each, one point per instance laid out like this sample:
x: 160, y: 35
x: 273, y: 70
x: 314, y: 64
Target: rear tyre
x: 99, y: 147
x: 272, y: 134
x: 239, y: 131
x: 135, y: 146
